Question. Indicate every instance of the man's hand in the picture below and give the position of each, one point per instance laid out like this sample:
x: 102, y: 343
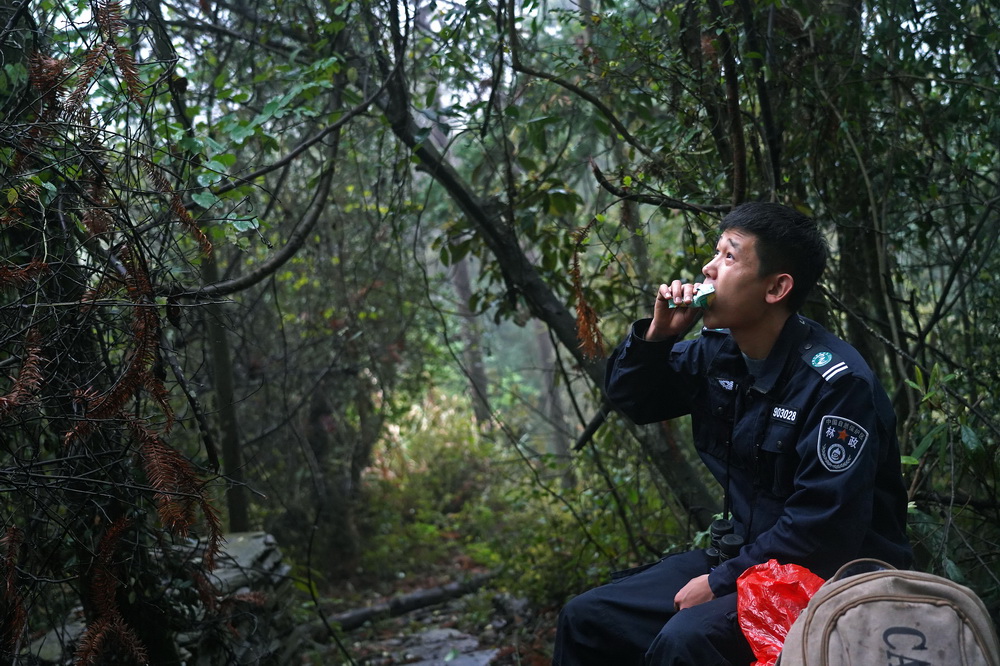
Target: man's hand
x: 697, y: 591
x: 667, y: 321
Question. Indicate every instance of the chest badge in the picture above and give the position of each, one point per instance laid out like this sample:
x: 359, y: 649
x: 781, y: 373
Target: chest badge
x: 840, y: 443
x: 785, y: 414
x: 821, y: 359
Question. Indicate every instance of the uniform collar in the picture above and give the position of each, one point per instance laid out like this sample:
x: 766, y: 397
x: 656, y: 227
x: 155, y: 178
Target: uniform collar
x: 793, y: 333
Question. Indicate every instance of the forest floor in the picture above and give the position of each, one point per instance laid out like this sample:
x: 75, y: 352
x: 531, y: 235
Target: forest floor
x: 485, y: 627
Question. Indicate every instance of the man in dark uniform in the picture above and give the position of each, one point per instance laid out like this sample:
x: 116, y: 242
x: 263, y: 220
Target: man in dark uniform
x: 788, y: 418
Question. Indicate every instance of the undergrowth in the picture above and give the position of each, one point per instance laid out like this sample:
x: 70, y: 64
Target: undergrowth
x: 444, y: 494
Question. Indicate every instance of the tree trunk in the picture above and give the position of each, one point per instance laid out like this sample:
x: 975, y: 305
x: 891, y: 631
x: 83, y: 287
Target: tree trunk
x: 222, y: 371
x: 551, y: 407
x: 472, y: 351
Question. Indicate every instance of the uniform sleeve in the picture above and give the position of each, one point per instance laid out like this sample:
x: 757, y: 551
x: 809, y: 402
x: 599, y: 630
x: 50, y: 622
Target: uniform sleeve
x: 824, y: 521
x: 651, y: 381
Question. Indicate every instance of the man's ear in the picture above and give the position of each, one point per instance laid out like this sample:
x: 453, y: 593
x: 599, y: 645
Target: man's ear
x: 779, y: 288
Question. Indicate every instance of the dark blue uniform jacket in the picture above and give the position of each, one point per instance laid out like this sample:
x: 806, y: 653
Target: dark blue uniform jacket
x: 807, y: 452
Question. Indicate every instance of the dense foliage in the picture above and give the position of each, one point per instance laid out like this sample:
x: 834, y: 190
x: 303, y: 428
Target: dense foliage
x: 347, y: 271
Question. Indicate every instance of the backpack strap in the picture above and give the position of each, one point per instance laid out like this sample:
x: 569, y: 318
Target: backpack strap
x: 860, y: 566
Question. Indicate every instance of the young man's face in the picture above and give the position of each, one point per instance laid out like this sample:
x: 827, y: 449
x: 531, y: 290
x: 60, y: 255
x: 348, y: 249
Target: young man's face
x: 740, y: 292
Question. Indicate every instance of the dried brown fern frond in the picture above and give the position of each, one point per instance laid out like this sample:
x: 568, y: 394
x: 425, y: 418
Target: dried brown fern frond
x: 109, y: 18
x: 137, y: 361
x: 107, y: 286
x: 173, y: 478
x: 97, y: 220
x: 20, y: 276
x: 161, y: 184
x: 85, y: 76
x: 102, y: 637
x: 13, y: 215
x: 29, y: 379
x: 215, y: 538
x: 82, y: 399
x: 156, y: 389
x: 254, y: 598
x: 208, y: 593
x: 47, y: 75
x: 146, y: 333
x: 137, y: 281
x: 104, y: 582
x: 90, y: 647
x: 587, y: 330
x: 13, y: 616
x: 178, y: 490
x: 111, y: 403
x: 29, y: 191
x: 96, y: 216
x: 108, y: 635
x: 126, y: 65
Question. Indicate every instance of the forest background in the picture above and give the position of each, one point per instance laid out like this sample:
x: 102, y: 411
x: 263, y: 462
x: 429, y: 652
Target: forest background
x: 347, y: 272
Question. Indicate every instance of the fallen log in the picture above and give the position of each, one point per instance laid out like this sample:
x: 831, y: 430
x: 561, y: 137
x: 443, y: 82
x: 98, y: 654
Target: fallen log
x: 407, y: 603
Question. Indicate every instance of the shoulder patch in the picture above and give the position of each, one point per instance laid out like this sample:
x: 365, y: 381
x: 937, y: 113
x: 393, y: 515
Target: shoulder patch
x: 840, y: 442
x: 824, y: 361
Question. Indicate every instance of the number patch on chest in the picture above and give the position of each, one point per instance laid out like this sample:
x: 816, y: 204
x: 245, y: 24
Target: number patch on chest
x: 785, y: 414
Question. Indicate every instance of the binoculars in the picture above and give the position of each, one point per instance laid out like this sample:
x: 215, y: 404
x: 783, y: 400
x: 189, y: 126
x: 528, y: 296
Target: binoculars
x: 725, y: 544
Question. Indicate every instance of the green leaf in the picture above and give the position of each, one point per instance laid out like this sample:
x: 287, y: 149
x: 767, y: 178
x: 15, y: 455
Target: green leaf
x: 927, y: 441
x: 215, y: 165
x: 241, y: 132
x: 243, y: 224
x: 270, y: 109
x: 970, y: 439
x: 48, y: 192
x: 459, y: 251
x: 206, y: 199
x: 191, y: 144
x: 421, y: 134
x: 213, y: 173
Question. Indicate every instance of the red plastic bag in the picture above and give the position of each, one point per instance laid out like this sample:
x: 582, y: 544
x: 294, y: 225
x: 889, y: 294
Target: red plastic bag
x: 769, y: 597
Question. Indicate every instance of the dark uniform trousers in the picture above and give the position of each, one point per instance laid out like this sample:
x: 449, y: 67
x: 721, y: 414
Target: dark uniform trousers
x: 632, y: 621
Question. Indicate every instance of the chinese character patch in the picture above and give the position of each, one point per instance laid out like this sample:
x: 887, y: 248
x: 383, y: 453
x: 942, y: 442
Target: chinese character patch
x: 840, y: 443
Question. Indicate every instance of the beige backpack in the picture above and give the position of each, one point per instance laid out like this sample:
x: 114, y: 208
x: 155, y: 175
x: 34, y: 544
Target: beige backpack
x: 889, y: 617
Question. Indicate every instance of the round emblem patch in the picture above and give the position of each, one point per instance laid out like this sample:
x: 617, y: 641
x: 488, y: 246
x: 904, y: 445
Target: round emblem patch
x: 821, y: 359
x: 840, y: 442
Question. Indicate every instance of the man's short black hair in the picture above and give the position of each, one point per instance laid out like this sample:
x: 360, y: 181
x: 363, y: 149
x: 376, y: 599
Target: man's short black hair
x: 787, y: 242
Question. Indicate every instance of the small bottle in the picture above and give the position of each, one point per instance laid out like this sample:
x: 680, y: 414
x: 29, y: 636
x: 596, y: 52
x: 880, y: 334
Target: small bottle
x: 702, y: 297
